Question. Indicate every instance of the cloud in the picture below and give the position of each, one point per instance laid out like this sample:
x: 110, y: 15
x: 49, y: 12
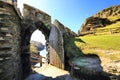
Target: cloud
x: 38, y: 36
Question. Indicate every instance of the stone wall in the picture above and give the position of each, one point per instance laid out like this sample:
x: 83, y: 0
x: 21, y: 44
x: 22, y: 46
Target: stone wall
x: 10, y: 66
x: 8, y: 1
x: 56, y: 49
x: 67, y: 34
x: 15, y: 34
x: 36, y: 15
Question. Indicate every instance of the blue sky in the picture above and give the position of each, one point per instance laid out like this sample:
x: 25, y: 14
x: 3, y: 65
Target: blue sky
x: 71, y: 13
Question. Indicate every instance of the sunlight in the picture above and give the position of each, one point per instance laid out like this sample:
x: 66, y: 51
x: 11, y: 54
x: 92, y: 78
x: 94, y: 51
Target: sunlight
x: 38, y: 36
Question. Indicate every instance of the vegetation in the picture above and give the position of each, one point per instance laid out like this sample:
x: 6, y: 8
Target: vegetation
x: 114, y: 18
x: 103, y: 42
x: 71, y: 49
x: 115, y: 22
x: 33, y: 49
x: 99, y: 45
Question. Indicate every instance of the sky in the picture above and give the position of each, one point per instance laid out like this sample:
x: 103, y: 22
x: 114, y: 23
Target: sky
x: 38, y: 36
x: 71, y: 13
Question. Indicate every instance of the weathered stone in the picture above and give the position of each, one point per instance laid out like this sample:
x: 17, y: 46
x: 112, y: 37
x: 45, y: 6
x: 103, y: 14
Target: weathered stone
x: 1, y: 59
x: 36, y: 15
x: 56, y: 50
x: 88, y: 67
x: 100, y: 19
x: 8, y: 44
x: 15, y: 34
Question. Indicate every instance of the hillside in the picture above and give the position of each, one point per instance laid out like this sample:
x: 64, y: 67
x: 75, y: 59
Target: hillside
x: 38, y: 45
x: 107, y: 18
x: 106, y: 47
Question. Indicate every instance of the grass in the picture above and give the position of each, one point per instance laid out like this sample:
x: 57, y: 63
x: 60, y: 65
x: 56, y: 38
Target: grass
x: 114, y: 18
x: 114, y: 25
x: 102, y: 43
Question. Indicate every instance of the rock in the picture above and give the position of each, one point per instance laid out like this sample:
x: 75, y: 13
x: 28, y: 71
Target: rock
x: 99, y: 20
x: 86, y: 67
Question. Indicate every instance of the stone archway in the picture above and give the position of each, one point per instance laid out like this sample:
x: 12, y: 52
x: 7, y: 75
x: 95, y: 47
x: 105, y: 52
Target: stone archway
x: 15, y: 33
x: 28, y: 27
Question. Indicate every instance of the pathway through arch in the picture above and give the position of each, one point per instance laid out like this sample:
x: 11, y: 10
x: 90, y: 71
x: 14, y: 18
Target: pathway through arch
x: 49, y: 72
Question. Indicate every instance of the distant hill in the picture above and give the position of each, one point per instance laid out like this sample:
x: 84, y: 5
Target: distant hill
x: 109, y: 17
x: 38, y: 45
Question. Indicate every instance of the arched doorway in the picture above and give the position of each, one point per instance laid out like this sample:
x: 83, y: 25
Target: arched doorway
x: 28, y: 27
x: 38, y: 49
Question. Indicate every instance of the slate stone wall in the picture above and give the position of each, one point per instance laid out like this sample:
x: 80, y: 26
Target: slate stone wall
x: 36, y: 15
x: 10, y: 66
x: 15, y: 34
x: 56, y: 49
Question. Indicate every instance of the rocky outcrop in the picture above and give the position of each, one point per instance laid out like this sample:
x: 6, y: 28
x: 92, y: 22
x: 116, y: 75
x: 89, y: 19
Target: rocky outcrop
x: 111, y: 11
x: 38, y: 45
x: 94, y: 22
x: 100, y: 19
x: 88, y: 68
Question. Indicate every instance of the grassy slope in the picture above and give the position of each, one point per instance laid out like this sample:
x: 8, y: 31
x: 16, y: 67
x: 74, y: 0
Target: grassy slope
x: 102, y: 43
x: 114, y: 20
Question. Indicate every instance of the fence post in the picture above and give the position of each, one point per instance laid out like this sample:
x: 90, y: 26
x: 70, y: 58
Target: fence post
x: 93, y: 31
x: 110, y: 30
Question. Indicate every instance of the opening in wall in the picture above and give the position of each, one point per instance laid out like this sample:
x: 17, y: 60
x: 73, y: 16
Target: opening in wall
x: 38, y: 49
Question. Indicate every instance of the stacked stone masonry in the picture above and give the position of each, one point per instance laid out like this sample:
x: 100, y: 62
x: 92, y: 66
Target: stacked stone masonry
x: 15, y: 34
x: 9, y: 43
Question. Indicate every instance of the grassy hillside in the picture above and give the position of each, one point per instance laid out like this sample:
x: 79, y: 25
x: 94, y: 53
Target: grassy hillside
x: 106, y: 42
x: 115, y: 26
x: 107, y: 47
x: 100, y: 45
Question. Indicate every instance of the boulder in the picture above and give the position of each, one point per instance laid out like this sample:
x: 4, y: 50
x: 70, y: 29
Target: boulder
x: 88, y: 68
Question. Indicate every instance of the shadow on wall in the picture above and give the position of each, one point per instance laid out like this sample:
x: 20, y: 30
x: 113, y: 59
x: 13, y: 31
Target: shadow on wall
x: 84, y: 66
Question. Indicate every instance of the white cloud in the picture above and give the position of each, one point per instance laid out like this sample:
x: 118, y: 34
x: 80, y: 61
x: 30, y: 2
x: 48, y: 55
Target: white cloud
x: 38, y: 36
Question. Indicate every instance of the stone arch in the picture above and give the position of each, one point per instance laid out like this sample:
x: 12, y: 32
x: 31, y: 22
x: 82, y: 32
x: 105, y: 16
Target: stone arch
x: 15, y: 33
x: 28, y: 27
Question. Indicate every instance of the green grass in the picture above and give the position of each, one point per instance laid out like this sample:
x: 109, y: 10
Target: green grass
x: 106, y: 42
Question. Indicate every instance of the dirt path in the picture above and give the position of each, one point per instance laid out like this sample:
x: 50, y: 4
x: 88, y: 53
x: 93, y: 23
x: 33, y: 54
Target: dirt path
x: 49, y: 72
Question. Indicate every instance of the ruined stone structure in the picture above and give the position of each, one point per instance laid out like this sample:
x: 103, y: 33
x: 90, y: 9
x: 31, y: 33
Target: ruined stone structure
x: 15, y: 34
